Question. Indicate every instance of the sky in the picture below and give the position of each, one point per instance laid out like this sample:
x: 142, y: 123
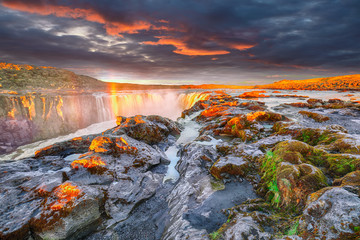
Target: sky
x: 245, y: 42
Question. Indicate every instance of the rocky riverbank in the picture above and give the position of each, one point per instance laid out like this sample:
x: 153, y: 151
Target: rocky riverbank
x: 253, y: 172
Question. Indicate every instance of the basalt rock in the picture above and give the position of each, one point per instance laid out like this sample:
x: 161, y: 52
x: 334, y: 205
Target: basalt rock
x: 316, y: 116
x: 331, y: 214
x: 151, y: 129
x: 75, y: 145
x: 229, y: 165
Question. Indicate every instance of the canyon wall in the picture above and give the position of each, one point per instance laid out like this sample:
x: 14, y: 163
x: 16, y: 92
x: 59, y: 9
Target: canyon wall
x: 35, y: 116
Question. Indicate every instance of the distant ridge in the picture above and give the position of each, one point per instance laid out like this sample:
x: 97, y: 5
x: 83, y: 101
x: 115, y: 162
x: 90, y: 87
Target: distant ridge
x: 346, y: 82
x: 30, y: 77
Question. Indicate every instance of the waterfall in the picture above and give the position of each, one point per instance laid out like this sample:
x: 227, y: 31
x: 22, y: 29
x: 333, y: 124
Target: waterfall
x: 103, y: 112
x: 50, y: 116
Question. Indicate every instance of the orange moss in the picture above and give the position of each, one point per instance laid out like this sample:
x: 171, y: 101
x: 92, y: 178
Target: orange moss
x: 90, y: 162
x: 99, y: 144
x: 43, y: 150
x: 123, y: 146
x: 214, y: 111
x: 253, y: 94
x: 317, y: 117
x: 254, y: 115
x: 65, y: 193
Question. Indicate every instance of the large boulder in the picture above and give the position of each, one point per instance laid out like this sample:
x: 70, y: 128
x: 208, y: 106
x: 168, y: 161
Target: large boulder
x: 332, y: 213
x: 287, y: 176
x: 150, y: 129
x: 69, y: 211
x: 229, y: 165
x: 245, y: 227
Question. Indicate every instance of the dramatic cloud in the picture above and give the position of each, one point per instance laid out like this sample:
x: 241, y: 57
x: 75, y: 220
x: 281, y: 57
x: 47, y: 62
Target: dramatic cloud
x: 184, y: 41
x: 181, y: 47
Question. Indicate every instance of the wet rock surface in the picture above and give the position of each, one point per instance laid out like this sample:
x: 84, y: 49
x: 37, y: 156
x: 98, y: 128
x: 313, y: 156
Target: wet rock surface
x: 252, y: 172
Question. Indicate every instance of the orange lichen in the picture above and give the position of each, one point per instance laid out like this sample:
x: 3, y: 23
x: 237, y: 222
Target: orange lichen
x: 253, y: 94
x: 37, y: 153
x: 123, y: 146
x: 65, y: 193
x: 89, y: 162
x: 231, y: 104
x: 316, y: 116
x: 214, y: 111
x: 99, y: 144
x: 131, y: 121
x: 291, y: 96
x: 254, y: 115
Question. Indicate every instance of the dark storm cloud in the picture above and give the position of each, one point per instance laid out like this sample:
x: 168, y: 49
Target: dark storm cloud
x: 216, y: 40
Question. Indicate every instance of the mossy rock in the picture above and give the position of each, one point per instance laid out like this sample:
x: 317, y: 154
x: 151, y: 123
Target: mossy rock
x: 350, y: 179
x: 231, y: 165
x: 339, y: 165
x: 287, y: 175
x: 315, y: 116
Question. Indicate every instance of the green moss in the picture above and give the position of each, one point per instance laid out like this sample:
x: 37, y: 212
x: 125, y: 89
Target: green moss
x: 293, y: 230
x: 269, y: 167
x: 314, y: 136
x: 340, y: 164
x: 275, y: 197
x: 215, y: 235
x: 217, y: 185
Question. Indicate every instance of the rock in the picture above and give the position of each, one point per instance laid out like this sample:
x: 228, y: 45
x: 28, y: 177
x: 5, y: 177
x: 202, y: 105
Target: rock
x: 244, y: 227
x: 70, y: 211
x: 231, y: 165
x: 316, y: 116
x: 334, y: 214
x: 19, y: 197
x: 313, y: 101
x: 75, y: 145
x: 124, y: 194
x: 350, y: 179
x: 296, y: 182
x: 253, y: 94
x: 151, y: 129
x: 286, y: 178
x: 199, y: 105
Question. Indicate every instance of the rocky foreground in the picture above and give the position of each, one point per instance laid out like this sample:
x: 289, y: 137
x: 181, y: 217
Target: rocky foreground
x: 250, y: 174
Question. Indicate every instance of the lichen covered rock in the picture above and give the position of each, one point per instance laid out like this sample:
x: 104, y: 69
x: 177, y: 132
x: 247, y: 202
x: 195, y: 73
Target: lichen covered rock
x: 229, y: 165
x: 334, y: 214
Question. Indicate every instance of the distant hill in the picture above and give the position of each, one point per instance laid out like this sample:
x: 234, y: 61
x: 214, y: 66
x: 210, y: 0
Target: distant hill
x: 17, y: 77
x: 29, y: 77
x: 346, y: 82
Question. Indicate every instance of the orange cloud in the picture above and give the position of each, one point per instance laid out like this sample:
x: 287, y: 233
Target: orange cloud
x: 59, y: 11
x: 241, y: 46
x: 112, y: 28
x: 181, y: 47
